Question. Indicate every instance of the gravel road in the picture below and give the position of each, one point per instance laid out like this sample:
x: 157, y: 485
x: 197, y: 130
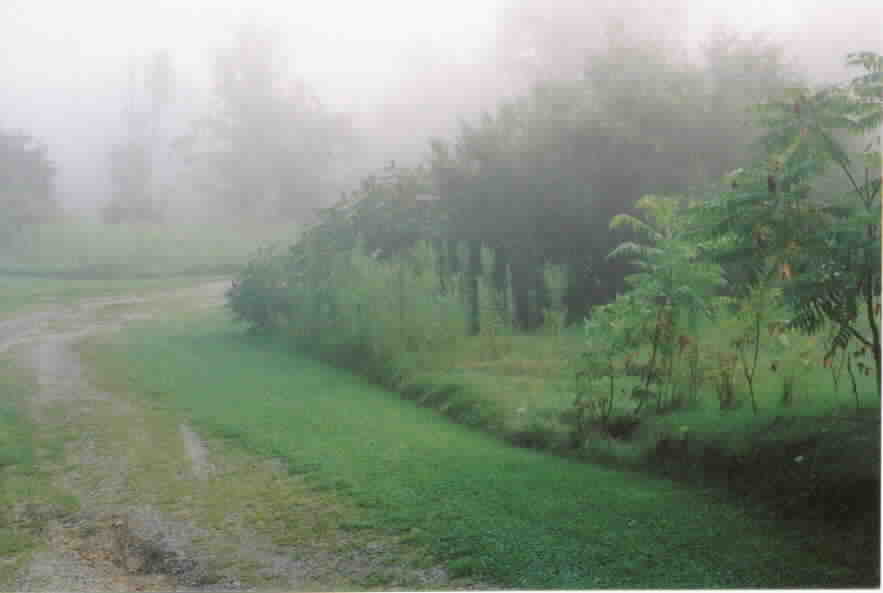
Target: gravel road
x: 121, y: 538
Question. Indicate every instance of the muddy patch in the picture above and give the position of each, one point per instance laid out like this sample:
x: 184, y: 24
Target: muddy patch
x: 89, y: 552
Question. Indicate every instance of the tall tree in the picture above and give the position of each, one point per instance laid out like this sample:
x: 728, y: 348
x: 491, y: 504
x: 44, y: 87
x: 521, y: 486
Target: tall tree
x: 135, y: 161
x: 277, y: 141
x: 26, y: 181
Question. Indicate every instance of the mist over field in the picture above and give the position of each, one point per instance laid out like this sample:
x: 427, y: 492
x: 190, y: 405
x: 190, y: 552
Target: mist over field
x: 399, y: 72
x: 475, y: 294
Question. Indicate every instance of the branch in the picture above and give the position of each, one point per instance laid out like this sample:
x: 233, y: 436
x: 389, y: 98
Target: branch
x: 858, y: 336
x: 845, y: 167
x: 869, y: 301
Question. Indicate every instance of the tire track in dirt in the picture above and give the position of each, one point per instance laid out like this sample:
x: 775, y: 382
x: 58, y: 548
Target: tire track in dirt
x: 142, y: 485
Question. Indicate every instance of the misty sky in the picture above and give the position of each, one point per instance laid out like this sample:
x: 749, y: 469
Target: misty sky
x: 63, y: 63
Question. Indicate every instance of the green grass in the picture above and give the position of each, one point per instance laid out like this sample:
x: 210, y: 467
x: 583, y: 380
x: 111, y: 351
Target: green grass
x: 27, y: 498
x: 79, y: 249
x: 513, y: 517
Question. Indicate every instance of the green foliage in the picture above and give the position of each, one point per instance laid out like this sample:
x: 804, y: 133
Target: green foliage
x: 612, y: 334
x: 750, y: 320
x: 386, y: 312
x: 812, y: 214
x: 671, y: 268
x: 673, y: 287
x: 388, y: 283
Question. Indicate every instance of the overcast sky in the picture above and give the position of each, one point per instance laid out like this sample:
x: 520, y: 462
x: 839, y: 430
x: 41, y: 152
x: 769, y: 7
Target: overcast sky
x: 63, y: 62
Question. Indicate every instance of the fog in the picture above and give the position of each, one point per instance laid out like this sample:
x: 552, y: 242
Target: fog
x: 399, y: 71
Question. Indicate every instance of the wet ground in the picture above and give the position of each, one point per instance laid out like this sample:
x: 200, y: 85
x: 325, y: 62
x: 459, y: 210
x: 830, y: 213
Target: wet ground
x: 143, y: 481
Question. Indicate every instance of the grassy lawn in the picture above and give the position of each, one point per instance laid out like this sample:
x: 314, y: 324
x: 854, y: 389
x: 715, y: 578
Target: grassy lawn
x: 510, y: 516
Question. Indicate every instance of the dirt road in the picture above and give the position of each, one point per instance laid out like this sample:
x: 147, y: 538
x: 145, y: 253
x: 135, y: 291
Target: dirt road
x: 160, y: 508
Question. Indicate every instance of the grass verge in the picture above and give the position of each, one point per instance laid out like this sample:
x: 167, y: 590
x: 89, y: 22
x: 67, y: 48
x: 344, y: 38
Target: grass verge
x: 510, y: 516
x: 27, y: 498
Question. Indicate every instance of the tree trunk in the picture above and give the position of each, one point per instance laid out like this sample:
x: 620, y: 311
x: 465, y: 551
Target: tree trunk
x: 541, y: 294
x: 472, y: 274
x: 576, y: 293
x: 501, y: 281
x: 438, y: 246
x: 520, y: 294
x: 452, y: 258
x: 875, y: 330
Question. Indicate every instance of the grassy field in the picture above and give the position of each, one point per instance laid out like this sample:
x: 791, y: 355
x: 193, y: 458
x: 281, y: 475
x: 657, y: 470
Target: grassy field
x: 84, y: 250
x: 19, y: 294
x: 57, y: 263
x: 510, y: 516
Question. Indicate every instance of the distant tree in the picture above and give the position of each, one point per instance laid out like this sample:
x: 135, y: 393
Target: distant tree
x: 133, y: 161
x: 739, y: 73
x: 273, y: 140
x: 26, y: 182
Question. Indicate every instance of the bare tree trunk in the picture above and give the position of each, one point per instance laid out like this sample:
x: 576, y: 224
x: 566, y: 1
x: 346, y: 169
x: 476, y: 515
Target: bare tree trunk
x: 472, y: 274
x: 501, y: 281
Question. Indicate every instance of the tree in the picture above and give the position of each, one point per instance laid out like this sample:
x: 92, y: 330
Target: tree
x: 275, y: 140
x: 675, y: 283
x: 812, y: 211
x: 26, y: 181
x: 134, y: 160
x: 740, y: 72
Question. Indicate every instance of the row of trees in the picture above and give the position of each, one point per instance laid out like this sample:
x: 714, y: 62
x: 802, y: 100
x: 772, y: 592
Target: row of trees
x: 264, y: 151
x: 270, y: 148
x: 543, y: 180
x: 537, y: 182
